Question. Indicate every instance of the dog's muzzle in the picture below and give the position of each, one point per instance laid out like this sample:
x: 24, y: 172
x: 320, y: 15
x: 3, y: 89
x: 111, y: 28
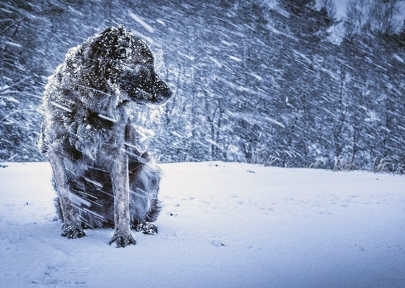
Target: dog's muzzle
x: 154, y: 91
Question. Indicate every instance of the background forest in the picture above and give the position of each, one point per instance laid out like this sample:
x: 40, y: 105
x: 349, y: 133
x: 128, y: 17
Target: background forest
x: 281, y: 83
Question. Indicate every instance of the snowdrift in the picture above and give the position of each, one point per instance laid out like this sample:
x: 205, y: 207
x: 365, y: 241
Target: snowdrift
x: 222, y: 225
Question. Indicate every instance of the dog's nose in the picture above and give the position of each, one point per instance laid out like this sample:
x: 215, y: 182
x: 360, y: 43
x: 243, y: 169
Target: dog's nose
x: 161, y: 96
x: 162, y: 91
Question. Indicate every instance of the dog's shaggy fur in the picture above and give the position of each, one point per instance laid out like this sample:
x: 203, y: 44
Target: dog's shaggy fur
x: 101, y: 177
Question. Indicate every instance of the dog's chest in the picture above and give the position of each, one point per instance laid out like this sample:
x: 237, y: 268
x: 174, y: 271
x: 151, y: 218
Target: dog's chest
x: 98, y: 137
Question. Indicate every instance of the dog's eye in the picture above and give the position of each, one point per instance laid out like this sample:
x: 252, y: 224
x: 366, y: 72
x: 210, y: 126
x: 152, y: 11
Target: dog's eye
x: 143, y: 74
x: 121, y: 51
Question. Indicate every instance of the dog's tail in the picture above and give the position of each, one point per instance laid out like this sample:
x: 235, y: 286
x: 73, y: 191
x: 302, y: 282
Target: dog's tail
x: 155, y: 208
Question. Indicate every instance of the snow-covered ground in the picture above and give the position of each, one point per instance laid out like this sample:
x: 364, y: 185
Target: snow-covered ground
x: 222, y: 225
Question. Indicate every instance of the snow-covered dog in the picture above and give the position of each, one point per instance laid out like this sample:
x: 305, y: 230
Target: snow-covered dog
x: 100, y: 175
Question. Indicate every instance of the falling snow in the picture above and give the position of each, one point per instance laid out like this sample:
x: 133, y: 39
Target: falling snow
x: 231, y: 67
x: 263, y: 82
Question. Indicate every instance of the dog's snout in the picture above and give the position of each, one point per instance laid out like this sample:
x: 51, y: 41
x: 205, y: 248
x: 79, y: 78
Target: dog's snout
x: 145, y: 86
x: 161, y: 90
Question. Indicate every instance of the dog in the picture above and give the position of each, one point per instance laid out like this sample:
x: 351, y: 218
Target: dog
x: 101, y: 176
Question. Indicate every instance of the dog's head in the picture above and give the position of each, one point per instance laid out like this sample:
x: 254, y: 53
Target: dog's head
x: 126, y: 63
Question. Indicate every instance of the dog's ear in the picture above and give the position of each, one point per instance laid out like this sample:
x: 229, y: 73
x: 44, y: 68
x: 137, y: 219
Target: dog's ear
x: 93, y: 51
x: 98, y: 56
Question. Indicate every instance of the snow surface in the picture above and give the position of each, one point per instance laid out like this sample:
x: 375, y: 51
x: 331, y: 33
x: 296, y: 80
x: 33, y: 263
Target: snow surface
x: 222, y: 225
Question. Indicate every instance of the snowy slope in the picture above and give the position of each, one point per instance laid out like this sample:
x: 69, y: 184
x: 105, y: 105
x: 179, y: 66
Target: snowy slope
x: 222, y: 225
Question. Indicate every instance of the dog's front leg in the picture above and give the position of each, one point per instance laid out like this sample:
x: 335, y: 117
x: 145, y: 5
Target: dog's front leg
x: 120, y: 182
x: 71, y: 222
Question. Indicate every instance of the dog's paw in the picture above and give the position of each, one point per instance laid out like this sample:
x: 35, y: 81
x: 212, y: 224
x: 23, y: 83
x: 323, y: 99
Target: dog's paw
x: 122, y: 240
x: 72, y: 232
x: 145, y: 228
